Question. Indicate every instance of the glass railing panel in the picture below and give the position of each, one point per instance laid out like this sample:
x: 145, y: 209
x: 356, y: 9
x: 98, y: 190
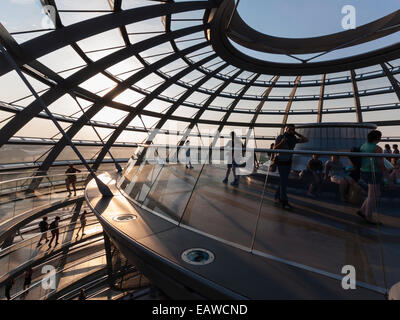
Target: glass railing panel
x: 27, y: 250
x: 224, y: 211
x: 138, y: 188
x: 172, y: 189
x: 382, y: 206
x: 322, y: 231
x: 16, y: 199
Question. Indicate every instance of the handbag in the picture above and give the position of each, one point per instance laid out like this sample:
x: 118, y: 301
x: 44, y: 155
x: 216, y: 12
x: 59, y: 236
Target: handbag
x: 273, y: 166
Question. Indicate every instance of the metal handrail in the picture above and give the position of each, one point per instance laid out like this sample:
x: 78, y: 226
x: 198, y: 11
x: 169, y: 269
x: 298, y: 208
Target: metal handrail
x: 10, y: 249
x: 90, y: 257
x: 264, y: 150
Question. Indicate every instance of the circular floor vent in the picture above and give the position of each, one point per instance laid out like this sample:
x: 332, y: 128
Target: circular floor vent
x: 124, y: 217
x: 198, y: 256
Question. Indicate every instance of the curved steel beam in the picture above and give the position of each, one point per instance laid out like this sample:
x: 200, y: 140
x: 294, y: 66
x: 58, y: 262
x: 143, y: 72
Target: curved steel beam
x: 94, y: 109
x: 32, y: 110
x: 289, y: 104
x: 222, y: 45
x: 240, y: 32
x: 259, y: 108
x: 224, y: 120
x: 321, y: 98
x: 57, y: 39
x: 196, y: 118
x: 392, y: 79
x: 175, y: 106
x: 356, y: 95
x: 143, y: 104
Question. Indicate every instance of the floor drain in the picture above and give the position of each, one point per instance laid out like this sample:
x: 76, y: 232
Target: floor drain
x: 124, y: 217
x: 198, y: 256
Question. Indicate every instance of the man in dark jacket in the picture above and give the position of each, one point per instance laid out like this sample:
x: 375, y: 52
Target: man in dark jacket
x: 54, y: 231
x: 283, y: 161
x: 43, y: 226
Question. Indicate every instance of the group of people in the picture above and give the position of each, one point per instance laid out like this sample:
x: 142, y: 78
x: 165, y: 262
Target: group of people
x: 370, y: 169
x: 395, y: 150
x: 44, y: 227
x: 335, y: 172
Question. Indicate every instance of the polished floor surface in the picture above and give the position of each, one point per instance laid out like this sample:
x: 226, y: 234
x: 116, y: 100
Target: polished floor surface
x: 320, y: 236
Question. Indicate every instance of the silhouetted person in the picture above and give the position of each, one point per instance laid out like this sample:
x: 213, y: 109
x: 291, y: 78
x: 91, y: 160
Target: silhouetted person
x: 7, y: 289
x: 315, y: 168
x: 283, y: 161
x: 54, y: 231
x: 28, y: 278
x: 395, y: 175
x: 82, y: 295
x: 71, y: 179
x: 395, y: 151
x: 83, y: 223
x: 43, y: 227
x: 233, y: 152
x: 270, y: 154
x: 336, y: 173
x: 355, y: 172
x: 388, y: 151
x: 372, y: 170
x: 188, y: 162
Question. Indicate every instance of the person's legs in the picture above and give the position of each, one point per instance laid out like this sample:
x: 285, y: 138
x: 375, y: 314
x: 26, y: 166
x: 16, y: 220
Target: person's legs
x: 74, y: 186
x: 366, y: 207
x: 43, y: 236
x: 342, y: 188
x: 284, y: 171
x: 228, y: 171
x: 313, y: 185
x: 278, y: 190
x: 373, y: 194
x: 52, y: 237
x: 77, y: 233
x: 83, y: 228
x: 236, y: 181
x: 341, y: 182
x: 57, y: 233
x: 67, y: 184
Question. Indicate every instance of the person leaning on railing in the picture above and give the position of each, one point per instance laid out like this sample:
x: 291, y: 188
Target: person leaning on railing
x: 71, y: 178
x: 372, y: 171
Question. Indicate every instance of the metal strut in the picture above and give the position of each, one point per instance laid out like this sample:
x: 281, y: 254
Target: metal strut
x: 104, y: 189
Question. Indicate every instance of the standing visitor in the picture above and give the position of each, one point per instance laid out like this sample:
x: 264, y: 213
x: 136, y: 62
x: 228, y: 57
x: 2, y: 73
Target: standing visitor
x: 233, y: 152
x: 188, y: 163
x: 28, y: 278
x: 71, y: 179
x: 54, y: 231
x: 395, y: 151
x: 83, y: 223
x: 8, y: 288
x: 82, y: 295
x: 43, y: 227
x: 388, y: 151
x: 372, y: 170
x: 283, y: 161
